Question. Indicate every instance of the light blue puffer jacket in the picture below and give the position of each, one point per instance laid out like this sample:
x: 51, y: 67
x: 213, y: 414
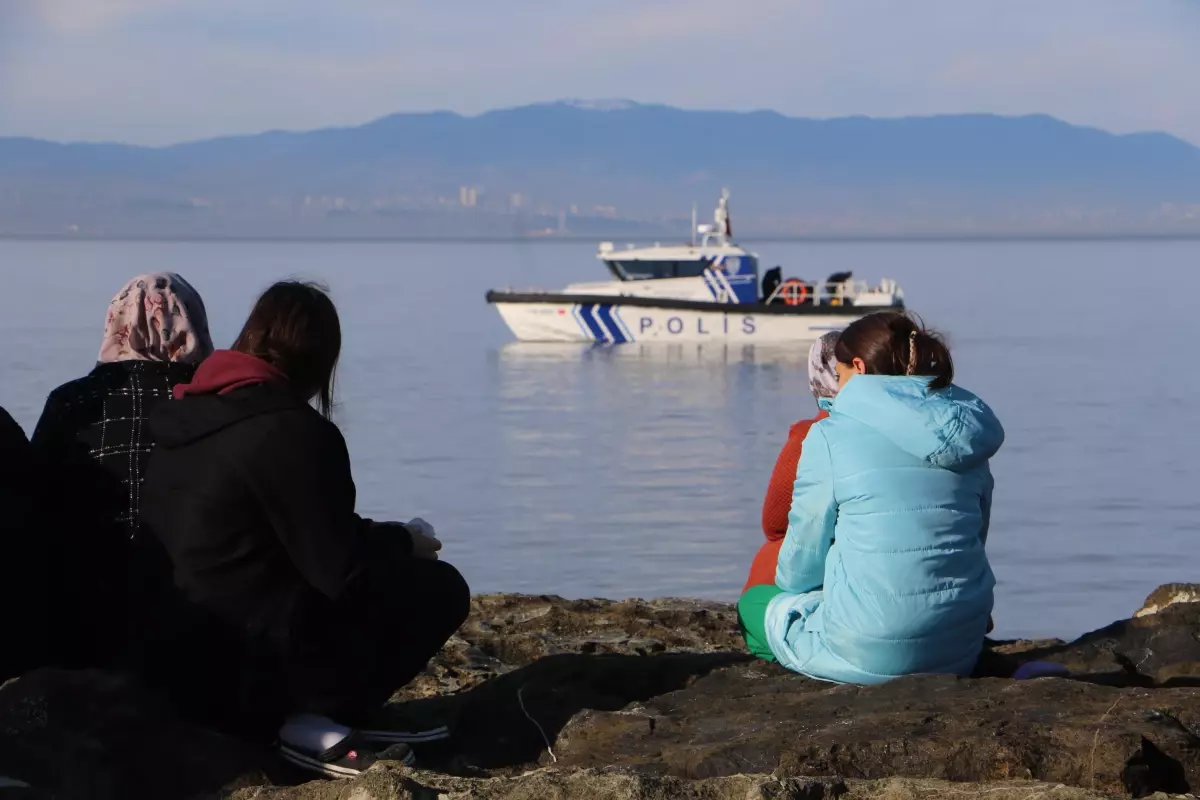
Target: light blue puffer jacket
x: 883, y: 568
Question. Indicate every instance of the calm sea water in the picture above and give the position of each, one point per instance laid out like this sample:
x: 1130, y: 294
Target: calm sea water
x: 639, y: 471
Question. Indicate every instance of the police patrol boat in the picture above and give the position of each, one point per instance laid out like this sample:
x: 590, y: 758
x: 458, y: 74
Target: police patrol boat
x: 704, y: 291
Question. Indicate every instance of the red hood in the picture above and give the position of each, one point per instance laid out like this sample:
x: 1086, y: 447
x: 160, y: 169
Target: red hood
x: 226, y: 370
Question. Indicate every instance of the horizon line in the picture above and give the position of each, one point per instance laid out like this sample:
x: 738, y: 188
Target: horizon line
x: 865, y: 238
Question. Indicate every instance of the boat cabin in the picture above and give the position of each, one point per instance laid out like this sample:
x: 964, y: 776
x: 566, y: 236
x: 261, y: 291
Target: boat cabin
x: 730, y: 271
x: 712, y: 268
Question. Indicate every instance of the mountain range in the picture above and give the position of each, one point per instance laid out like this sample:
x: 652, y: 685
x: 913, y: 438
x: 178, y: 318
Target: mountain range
x: 612, y: 167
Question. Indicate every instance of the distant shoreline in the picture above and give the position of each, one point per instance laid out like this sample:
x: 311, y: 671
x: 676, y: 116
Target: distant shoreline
x: 592, y: 240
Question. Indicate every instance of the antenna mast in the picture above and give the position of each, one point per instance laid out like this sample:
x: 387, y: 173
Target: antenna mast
x: 721, y: 217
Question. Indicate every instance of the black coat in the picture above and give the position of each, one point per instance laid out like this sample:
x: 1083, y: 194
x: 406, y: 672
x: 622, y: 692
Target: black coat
x: 19, y: 480
x: 94, y: 439
x: 24, y: 540
x: 252, y: 496
x: 94, y: 442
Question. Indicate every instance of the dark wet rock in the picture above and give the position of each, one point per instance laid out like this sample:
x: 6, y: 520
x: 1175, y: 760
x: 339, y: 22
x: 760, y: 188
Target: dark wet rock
x: 93, y: 735
x: 396, y: 783
x: 646, y: 700
x: 1157, y: 649
x: 755, y: 719
x: 1168, y: 595
x: 505, y: 632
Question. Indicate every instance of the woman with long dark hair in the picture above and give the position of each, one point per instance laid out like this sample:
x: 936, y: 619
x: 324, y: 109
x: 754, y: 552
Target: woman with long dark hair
x: 883, y: 571
x: 316, y: 615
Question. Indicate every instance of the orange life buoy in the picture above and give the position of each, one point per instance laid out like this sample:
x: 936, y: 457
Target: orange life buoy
x: 794, y: 292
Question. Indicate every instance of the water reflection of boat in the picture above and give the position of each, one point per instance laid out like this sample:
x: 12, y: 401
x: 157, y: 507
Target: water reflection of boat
x: 706, y: 292
x: 701, y: 353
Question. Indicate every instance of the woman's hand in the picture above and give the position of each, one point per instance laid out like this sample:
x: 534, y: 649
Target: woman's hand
x: 424, y: 546
x: 424, y: 538
x: 425, y: 543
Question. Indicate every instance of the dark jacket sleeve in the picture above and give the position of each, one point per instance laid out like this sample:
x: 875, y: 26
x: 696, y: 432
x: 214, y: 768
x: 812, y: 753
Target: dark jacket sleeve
x: 50, y: 435
x: 67, y: 467
x: 64, y: 462
x: 65, y: 458
x: 19, y: 471
x: 10, y: 432
x: 12, y: 437
x: 24, y: 550
x: 303, y: 481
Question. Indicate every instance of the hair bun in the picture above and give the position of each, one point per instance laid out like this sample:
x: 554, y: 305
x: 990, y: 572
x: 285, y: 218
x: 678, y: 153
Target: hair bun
x: 896, y: 343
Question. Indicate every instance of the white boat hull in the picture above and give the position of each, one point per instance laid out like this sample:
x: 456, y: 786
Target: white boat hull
x: 612, y: 322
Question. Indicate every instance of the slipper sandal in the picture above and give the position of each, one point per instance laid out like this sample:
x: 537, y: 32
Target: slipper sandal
x: 438, y: 734
x: 346, y: 759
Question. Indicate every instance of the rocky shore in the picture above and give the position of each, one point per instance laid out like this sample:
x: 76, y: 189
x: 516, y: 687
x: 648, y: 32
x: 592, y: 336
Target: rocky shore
x: 636, y: 700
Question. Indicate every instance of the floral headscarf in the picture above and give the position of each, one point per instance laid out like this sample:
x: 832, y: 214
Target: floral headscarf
x: 156, y: 317
x: 822, y: 374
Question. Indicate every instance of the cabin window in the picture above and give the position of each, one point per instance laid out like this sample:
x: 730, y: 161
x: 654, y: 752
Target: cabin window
x: 648, y: 270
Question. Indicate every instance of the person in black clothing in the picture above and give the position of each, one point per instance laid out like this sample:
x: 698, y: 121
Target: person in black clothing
x: 24, y: 593
x: 313, y: 615
x: 94, y: 443
x: 770, y: 282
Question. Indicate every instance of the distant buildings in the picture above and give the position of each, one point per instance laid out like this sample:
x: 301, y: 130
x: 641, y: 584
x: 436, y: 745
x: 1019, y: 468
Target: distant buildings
x: 468, y: 196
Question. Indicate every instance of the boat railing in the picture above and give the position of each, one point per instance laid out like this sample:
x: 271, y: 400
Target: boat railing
x: 825, y: 293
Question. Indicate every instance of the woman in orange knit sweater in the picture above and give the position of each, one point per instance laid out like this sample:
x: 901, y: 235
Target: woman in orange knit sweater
x: 823, y: 380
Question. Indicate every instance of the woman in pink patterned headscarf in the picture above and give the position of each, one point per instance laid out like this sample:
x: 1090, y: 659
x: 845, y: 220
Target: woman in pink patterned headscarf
x: 95, y: 443
x: 156, y: 317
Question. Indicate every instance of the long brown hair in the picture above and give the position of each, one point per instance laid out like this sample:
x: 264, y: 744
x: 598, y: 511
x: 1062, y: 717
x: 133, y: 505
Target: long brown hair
x: 294, y: 326
x: 895, y: 343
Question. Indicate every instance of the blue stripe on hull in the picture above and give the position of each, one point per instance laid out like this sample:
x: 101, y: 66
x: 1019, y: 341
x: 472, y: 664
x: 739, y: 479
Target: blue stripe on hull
x: 579, y: 320
x: 585, y: 312
x: 604, y: 311
x: 616, y: 314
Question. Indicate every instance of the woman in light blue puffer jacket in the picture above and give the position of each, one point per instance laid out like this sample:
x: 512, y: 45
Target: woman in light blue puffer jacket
x: 883, y: 571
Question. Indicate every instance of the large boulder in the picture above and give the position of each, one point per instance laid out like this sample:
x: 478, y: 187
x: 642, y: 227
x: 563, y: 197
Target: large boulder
x: 1160, y: 649
x: 1168, y: 595
x: 618, y: 783
x: 597, y: 699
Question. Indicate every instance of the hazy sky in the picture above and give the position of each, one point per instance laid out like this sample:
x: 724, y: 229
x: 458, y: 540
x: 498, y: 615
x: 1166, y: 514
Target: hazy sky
x: 157, y: 71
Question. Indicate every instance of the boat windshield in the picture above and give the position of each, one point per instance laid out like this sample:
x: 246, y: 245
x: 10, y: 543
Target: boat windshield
x: 648, y: 270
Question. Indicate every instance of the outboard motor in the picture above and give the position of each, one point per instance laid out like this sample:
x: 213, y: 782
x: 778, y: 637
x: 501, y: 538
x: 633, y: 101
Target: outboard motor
x: 770, y: 282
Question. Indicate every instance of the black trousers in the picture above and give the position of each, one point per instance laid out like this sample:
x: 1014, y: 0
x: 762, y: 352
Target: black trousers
x: 342, y: 658
x: 349, y: 656
x: 25, y: 600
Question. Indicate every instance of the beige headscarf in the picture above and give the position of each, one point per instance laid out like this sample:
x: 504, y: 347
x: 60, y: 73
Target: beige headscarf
x: 156, y: 317
x: 822, y: 369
